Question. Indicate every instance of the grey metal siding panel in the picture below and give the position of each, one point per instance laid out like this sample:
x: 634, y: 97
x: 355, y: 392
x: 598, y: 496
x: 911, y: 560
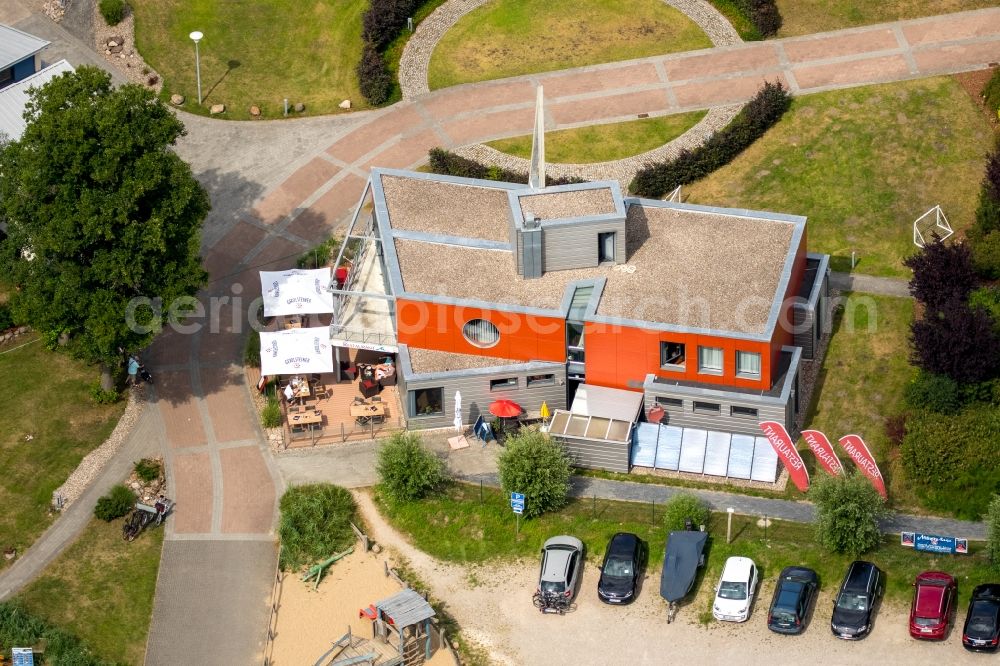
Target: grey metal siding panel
x: 686, y: 417
x: 575, y: 246
x: 804, y: 321
x: 596, y: 455
x: 519, y: 252
x: 476, y: 395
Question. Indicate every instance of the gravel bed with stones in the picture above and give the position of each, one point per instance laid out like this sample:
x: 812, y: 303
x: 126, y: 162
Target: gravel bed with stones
x: 416, y: 59
x: 778, y: 486
x: 622, y: 170
x: 435, y: 207
x: 564, y: 205
x: 424, y: 361
x: 94, y: 462
x: 124, y: 56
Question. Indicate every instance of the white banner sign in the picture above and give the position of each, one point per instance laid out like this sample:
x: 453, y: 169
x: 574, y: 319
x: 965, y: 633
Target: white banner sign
x: 296, y: 292
x: 296, y: 350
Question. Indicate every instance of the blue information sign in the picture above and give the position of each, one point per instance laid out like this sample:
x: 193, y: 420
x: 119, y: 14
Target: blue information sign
x: 517, y: 496
x: 519, y: 509
x: 934, y: 543
x: 517, y: 504
x: 22, y: 656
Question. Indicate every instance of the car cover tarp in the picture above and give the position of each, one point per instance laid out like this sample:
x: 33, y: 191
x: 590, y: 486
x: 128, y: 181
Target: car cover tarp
x: 680, y: 563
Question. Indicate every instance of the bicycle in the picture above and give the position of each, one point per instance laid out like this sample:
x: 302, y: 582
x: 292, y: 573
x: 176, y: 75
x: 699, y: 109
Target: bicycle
x: 551, y: 603
x: 144, y: 515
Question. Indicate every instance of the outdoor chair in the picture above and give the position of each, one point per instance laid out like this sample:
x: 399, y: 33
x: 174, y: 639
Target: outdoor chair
x: 376, y: 398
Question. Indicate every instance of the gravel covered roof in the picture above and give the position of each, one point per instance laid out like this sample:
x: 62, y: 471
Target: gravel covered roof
x: 562, y: 205
x: 429, y: 360
x: 693, y: 269
x: 446, y: 208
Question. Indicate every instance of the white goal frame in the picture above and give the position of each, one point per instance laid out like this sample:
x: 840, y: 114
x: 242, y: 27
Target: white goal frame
x: 940, y: 222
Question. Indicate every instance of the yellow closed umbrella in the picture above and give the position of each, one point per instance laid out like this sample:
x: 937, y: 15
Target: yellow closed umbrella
x: 545, y: 410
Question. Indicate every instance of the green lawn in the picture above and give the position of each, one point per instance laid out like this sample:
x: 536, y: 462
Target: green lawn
x: 512, y: 37
x: 804, y: 17
x: 101, y: 589
x: 455, y: 526
x: 862, y: 164
x: 862, y: 380
x: 50, y: 422
x: 255, y: 52
x: 603, y: 143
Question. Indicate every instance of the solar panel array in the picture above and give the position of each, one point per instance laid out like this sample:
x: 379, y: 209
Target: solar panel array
x: 704, y: 452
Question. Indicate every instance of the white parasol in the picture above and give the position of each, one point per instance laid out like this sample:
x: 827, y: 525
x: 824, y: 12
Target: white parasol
x: 296, y: 350
x: 458, y: 411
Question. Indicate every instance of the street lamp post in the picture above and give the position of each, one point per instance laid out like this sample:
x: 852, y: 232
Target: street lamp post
x: 196, y: 37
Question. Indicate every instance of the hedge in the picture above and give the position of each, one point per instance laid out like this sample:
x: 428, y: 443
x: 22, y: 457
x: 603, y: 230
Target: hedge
x: 991, y: 93
x: 374, y: 77
x: 385, y: 20
x: 951, y: 460
x: 760, y: 114
x: 449, y: 164
x: 763, y: 14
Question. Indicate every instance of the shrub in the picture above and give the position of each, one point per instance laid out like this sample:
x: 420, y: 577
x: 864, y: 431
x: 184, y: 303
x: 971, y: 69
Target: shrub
x: 6, y: 317
x: 104, y: 396
x: 315, y: 523
x: 406, y: 470
x: 270, y: 416
x: 385, y: 20
x: 763, y: 14
x: 113, y: 11
x: 682, y: 507
x: 319, y: 255
x: 251, y: 351
x: 992, y: 520
x: 533, y: 464
x: 848, y: 510
x: 991, y: 93
x: 936, y: 393
x: 118, y: 502
x: 760, y: 114
x: 959, y: 342
x: 895, y: 429
x: 147, y: 469
x: 942, y: 274
x: 19, y: 627
x: 951, y: 460
x: 450, y: 164
x: 986, y: 254
x: 374, y: 78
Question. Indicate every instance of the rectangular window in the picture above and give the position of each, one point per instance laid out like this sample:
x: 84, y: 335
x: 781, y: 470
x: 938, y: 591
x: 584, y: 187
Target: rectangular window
x: 669, y: 402
x: 672, y: 355
x: 747, y: 364
x: 6, y: 76
x: 736, y: 410
x: 540, y: 380
x: 504, y: 384
x: 605, y: 247
x: 710, y: 360
x: 427, y: 401
x: 707, y: 407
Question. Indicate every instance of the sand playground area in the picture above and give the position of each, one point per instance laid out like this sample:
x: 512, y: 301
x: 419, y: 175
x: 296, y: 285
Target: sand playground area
x: 309, y: 620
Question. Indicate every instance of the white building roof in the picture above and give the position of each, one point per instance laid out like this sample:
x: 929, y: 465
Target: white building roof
x: 15, y: 45
x: 14, y: 97
x: 608, y: 403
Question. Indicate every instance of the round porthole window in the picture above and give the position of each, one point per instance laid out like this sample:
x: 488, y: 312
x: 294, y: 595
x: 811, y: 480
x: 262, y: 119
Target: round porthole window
x: 481, y: 333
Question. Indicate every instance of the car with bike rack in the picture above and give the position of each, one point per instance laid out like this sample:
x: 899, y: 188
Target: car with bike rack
x: 559, y: 578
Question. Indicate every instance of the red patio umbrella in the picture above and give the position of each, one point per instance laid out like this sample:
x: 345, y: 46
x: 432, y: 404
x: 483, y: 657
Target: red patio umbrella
x: 505, y: 409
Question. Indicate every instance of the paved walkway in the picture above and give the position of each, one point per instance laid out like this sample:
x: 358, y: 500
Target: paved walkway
x: 869, y: 284
x: 799, y: 512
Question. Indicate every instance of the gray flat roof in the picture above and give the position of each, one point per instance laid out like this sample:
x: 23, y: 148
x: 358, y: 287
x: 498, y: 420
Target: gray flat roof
x: 15, y: 96
x: 406, y: 608
x: 444, y: 208
x: 424, y: 361
x: 15, y: 45
x: 564, y: 205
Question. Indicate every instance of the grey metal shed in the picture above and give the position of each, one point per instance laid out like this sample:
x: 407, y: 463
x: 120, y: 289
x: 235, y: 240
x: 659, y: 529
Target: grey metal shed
x: 403, y: 610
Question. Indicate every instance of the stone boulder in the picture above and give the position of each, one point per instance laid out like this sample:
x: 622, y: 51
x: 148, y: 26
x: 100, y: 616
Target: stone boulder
x: 300, y: 107
x: 176, y: 99
x: 346, y: 104
x: 255, y: 111
x: 217, y: 109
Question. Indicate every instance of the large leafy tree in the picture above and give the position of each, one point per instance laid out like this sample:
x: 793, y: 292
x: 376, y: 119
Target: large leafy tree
x: 848, y: 511
x: 959, y: 342
x: 533, y: 464
x: 942, y: 274
x: 99, y: 212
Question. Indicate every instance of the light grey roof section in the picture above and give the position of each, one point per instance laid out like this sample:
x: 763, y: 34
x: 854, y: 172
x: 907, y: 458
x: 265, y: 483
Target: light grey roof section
x: 608, y: 204
x: 406, y: 608
x: 14, y: 97
x: 15, y: 45
x: 608, y: 403
x: 501, y: 365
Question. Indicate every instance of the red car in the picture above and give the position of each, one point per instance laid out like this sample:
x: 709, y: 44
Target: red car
x: 933, y: 603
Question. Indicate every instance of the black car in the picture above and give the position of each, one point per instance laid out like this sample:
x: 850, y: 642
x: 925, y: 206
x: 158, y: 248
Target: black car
x: 855, y: 604
x: 793, y: 596
x: 620, y: 572
x: 982, y: 624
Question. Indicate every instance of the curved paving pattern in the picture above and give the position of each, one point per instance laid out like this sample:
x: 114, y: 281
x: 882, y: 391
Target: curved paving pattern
x: 211, y: 595
x: 415, y: 62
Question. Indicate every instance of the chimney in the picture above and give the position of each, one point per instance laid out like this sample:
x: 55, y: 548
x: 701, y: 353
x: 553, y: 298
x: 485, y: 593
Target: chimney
x: 529, y: 247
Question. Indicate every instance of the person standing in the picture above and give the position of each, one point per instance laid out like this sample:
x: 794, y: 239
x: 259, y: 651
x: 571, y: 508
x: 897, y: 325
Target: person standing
x: 133, y: 370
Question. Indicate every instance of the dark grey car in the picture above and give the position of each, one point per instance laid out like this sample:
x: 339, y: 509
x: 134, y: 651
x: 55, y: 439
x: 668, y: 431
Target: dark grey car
x: 793, y: 597
x: 854, y: 608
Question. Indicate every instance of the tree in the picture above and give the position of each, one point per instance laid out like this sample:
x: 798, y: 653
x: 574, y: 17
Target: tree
x: 942, y: 274
x: 533, y: 464
x: 959, y: 342
x: 407, y: 471
x: 683, y: 507
x: 992, y: 520
x: 100, y: 212
x: 848, y: 510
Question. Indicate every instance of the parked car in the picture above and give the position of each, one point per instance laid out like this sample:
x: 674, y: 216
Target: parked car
x: 982, y: 624
x: 734, y: 593
x: 793, y: 597
x: 621, y: 569
x: 562, y: 560
x: 934, y: 595
x: 854, y: 606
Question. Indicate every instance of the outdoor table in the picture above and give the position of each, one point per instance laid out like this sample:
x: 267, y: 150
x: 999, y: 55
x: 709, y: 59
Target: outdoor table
x: 306, y: 419
x: 302, y: 392
x: 365, y: 413
x: 294, y: 322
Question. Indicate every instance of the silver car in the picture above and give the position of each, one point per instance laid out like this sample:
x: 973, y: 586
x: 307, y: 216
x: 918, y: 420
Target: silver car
x: 562, y: 561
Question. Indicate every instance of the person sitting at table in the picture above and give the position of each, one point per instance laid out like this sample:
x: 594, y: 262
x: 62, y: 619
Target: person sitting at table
x: 289, y: 392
